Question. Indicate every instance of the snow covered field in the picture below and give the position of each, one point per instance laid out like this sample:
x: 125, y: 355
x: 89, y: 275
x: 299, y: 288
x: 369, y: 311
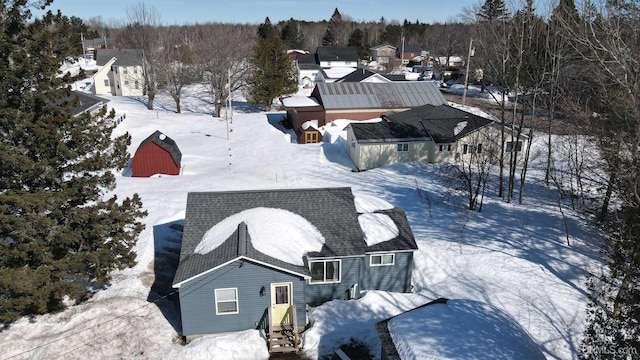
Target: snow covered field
x: 513, y: 257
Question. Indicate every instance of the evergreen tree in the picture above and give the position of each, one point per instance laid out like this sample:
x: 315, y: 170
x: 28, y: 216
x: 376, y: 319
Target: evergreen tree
x: 274, y: 73
x: 493, y: 10
x: 332, y: 37
x: 266, y: 30
x: 291, y: 34
x: 58, y: 235
x: 356, y: 40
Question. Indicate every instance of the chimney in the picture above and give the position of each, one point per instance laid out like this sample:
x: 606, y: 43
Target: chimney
x: 242, y: 239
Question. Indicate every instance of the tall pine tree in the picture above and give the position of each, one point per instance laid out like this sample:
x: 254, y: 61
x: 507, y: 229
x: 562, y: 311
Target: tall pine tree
x: 58, y: 235
x: 273, y: 73
x: 493, y: 10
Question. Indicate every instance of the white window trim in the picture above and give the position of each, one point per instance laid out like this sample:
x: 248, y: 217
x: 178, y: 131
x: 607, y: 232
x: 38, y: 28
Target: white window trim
x: 400, y: 147
x: 315, y: 282
x: 393, y: 262
x: 237, y: 302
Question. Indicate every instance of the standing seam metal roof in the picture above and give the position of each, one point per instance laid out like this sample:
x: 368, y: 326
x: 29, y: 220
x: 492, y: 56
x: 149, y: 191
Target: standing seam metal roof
x: 345, y: 95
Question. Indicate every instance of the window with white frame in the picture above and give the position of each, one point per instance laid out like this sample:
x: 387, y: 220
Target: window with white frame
x: 106, y: 82
x: 125, y: 70
x: 382, y: 260
x: 325, y: 271
x: 226, y: 301
x: 445, y: 147
x: 402, y: 147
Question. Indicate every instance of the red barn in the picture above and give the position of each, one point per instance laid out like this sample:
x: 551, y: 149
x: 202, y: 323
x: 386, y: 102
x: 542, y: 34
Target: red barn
x: 157, y: 154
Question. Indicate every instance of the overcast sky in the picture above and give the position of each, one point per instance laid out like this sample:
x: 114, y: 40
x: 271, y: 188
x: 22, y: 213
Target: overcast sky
x: 255, y: 11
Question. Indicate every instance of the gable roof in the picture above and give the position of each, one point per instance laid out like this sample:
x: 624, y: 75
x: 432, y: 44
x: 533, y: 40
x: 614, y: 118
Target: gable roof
x: 442, y: 122
x: 347, y: 95
x: 125, y: 57
x: 337, y: 53
x: 360, y: 75
x: 331, y: 211
x: 375, y: 48
x: 164, y: 142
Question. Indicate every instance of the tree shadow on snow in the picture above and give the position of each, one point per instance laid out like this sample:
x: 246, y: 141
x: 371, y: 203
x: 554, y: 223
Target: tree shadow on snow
x: 167, y: 240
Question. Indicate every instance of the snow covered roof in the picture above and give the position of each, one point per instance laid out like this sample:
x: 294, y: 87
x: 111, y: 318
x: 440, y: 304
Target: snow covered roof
x: 299, y: 101
x: 455, y: 329
x: 281, y: 227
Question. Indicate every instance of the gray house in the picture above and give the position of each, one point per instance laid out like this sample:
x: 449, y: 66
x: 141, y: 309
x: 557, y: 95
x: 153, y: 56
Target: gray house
x: 255, y: 259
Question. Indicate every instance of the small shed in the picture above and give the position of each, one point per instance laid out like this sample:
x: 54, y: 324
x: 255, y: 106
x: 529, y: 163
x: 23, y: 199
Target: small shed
x: 157, y: 154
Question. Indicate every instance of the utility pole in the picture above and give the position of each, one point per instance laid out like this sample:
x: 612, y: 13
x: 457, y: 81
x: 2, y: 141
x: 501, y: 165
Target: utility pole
x: 466, y: 75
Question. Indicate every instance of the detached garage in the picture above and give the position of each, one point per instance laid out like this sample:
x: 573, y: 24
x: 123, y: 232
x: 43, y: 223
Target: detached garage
x: 157, y: 154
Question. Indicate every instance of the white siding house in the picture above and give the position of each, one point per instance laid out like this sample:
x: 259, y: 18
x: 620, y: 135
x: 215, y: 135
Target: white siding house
x: 428, y: 133
x: 119, y: 73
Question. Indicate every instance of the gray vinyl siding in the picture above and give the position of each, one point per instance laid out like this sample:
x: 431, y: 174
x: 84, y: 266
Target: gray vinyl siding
x: 349, y: 275
x: 197, y: 301
x: 395, y: 278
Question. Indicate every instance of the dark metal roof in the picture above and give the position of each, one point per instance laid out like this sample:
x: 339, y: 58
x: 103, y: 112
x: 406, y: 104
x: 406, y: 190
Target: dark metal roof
x: 126, y: 57
x: 440, y: 121
x: 164, y: 142
x: 330, y: 210
x: 337, y: 53
x: 346, y: 95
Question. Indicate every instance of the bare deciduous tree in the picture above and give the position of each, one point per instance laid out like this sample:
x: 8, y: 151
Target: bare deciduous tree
x: 176, y: 62
x: 143, y: 22
x: 222, y: 52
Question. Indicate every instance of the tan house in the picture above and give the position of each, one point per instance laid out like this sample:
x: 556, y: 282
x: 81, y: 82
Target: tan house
x: 383, y: 55
x: 428, y: 133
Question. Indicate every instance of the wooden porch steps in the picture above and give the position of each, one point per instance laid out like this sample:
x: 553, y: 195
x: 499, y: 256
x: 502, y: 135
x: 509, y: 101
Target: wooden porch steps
x: 283, y: 338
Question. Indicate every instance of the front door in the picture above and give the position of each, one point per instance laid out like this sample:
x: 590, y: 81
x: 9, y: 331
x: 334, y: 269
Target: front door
x: 281, y: 300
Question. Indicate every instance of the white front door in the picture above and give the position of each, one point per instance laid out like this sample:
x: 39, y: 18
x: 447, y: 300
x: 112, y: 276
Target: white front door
x: 281, y: 300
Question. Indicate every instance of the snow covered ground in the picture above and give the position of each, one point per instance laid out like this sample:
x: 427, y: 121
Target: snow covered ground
x: 512, y: 257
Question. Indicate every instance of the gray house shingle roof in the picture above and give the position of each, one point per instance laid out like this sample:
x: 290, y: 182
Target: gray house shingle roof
x: 164, y: 142
x: 440, y: 121
x: 330, y: 210
x: 86, y: 102
x: 388, y: 131
x: 351, y: 95
x: 126, y: 57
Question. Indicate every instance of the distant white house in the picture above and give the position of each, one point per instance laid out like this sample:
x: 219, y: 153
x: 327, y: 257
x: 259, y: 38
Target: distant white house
x: 119, y: 73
